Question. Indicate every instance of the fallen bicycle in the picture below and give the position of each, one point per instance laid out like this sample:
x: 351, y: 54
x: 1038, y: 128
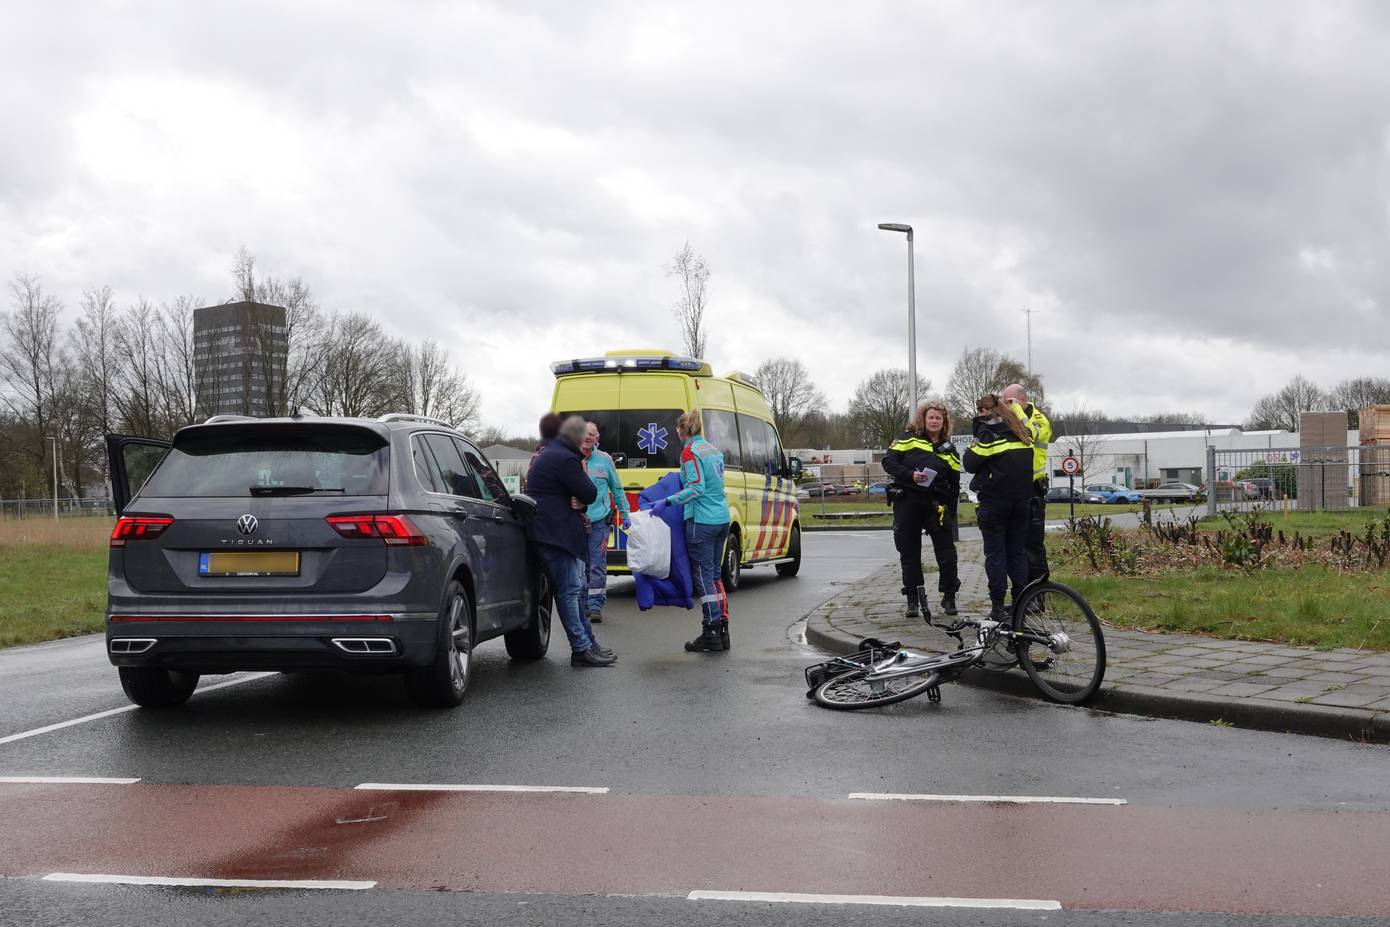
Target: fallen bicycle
x: 1053, y: 634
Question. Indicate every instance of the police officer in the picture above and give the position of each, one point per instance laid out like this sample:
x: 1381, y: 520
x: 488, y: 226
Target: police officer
x: 1002, y: 461
x: 1040, y: 430
x: 925, y: 469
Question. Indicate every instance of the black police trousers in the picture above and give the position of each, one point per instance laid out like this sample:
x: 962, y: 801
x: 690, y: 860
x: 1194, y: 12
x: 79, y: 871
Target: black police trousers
x: 1037, y: 531
x: 911, y: 518
x: 1004, y: 528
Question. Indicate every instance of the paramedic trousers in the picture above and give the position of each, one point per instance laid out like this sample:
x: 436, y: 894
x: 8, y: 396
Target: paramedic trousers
x: 706, y: 546
x: 596, y: 593
x: 1004, y: 528
x: 912, y: 517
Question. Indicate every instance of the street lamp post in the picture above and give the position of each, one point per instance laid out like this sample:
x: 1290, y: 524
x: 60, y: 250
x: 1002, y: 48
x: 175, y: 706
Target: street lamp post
x: 911, y: 315
x: 54, y: 439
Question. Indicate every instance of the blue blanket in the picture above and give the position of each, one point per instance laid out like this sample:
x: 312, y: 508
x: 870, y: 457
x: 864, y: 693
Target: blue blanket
x: 676, y: 589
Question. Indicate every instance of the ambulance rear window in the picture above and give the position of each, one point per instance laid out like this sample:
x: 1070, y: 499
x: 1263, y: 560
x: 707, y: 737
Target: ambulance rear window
x: 646, y: 437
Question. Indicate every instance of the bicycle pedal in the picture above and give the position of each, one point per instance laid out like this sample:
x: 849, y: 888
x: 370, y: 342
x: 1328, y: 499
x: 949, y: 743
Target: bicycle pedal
x: 934, y: 694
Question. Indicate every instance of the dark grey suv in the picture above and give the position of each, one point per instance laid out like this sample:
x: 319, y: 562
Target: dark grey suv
x: 371, y: 545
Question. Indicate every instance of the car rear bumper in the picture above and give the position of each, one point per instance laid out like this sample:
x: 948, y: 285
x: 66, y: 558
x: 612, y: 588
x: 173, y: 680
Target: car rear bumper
x: 230, y: 643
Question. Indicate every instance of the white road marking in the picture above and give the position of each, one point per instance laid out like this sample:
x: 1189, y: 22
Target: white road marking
x: 48, y: 729
x: 65, y: 780
x: 1004, y: 799
x: 449, y: 787
x: 906, y: 901
x: 200, y: 883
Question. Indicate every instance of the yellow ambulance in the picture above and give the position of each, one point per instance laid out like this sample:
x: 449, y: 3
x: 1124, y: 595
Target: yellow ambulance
x: 635, y: 397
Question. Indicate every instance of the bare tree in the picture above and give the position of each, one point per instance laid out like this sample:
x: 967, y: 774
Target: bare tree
x: 979, y: 371
x: 879, y: 409
x: 30, y: 362
x: 692, y: 275
x: 1282, y: 409
x: 178, y: 369
x: 434, y: 386
x: 137, y: 396
x: 357, y: 377
x: 1358, y: 393
x: 790, y: 394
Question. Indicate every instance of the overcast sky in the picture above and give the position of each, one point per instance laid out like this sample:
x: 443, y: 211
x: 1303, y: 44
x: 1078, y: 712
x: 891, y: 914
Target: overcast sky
x: 1195, y: 196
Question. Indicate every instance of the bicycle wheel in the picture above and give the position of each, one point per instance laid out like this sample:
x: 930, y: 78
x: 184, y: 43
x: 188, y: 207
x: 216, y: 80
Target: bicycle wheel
x: 852, y: 691
x: 1070, y: 667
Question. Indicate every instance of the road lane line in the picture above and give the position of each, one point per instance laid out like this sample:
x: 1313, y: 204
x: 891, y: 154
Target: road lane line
x: 65, y: 780
x: 447, y: 787
x: 50, y: 728
x: 1000, y: 799
x: 905, y: 901
x: 343, y: 885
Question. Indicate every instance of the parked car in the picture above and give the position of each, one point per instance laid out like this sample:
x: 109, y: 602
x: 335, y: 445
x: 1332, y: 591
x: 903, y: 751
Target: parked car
x: 808, y: 490
x: 1173, y: 492
x: 1065, y: 494
x: 968, y: 495
x: 1111, y: 493
x: 877, y: 489
x: 1264, y: 487
x: 372, y: 545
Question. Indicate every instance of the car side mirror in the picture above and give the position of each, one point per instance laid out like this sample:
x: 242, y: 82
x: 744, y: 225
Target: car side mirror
x: 523, y: 506
x: 794, y: 467
x: 619, y: 460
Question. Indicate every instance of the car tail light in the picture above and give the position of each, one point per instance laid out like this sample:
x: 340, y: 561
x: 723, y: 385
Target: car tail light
x: 393, y: 529
x: 138, y: 528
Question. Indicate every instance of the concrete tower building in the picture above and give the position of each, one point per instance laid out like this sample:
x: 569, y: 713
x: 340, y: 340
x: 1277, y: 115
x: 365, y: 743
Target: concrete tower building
x: 240, y: 352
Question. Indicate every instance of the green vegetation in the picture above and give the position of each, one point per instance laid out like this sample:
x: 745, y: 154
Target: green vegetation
x: 882, y: 515
x: 52, y: 579
x: 1305, y: 594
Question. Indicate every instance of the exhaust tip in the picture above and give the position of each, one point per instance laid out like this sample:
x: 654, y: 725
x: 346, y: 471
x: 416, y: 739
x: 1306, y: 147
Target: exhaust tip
x: 132, y: 644
x: 366, y: 646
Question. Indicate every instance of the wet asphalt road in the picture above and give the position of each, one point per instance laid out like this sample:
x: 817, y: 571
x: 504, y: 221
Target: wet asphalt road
x: 732, y: 733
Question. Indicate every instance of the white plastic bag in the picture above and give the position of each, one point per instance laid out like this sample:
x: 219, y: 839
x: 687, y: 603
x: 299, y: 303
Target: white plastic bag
x: 649, y: 546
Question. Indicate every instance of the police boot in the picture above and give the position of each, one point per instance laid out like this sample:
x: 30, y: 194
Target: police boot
x: 948, y: 603
x: 707, y: 642
x: 724, y: 634
x: 913, y: 610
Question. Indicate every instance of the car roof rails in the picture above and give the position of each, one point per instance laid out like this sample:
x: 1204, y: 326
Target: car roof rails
x: 218, y: 419
x: 408, y: 417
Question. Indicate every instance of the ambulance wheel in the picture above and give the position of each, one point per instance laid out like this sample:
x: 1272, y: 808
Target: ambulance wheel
x: 733, y: 563
x: 792, y: 566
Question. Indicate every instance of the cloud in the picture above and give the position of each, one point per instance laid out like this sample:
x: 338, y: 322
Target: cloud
x: 1196, y: 196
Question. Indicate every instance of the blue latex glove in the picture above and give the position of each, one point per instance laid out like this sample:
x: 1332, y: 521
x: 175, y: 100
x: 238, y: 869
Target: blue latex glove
x: 659, y: 506
x: 627, y: 523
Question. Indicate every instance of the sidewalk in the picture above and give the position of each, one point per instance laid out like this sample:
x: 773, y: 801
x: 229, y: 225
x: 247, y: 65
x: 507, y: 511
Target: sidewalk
x: 1332, y: 693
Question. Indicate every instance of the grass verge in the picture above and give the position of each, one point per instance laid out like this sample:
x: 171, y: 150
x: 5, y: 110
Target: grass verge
x: 52, y: 578
x: 1310, y: 606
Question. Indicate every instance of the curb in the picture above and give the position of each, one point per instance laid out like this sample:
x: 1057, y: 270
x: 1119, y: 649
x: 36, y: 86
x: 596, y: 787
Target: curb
x: 1249, y: 713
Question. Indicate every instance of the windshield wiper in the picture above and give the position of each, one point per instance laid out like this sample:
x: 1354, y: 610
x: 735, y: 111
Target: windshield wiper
x: 291, y: 490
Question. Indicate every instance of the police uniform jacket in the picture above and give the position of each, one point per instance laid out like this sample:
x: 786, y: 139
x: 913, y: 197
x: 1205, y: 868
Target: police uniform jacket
x: 913, y: 452
x: 1002, y: 464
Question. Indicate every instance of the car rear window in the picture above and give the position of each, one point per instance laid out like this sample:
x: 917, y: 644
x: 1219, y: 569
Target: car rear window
x: 238, y: 462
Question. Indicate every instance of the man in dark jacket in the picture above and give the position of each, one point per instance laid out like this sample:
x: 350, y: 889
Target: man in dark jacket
x: 562, y: 491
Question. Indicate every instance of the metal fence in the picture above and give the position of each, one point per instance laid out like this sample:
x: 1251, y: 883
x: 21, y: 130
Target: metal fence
x: 43, y: 508
x: 1309, y: 479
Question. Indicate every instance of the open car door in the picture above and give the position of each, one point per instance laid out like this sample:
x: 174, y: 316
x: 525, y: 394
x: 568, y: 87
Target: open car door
x: 132, y: 460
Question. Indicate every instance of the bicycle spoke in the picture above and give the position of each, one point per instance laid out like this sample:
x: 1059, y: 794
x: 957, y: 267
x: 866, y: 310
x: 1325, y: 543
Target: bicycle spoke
x: 1071, y: 663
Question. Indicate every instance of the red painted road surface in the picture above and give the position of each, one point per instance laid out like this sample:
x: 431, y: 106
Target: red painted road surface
x: 1130, y: 857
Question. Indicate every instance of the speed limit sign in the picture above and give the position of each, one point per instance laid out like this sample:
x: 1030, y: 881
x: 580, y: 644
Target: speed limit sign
x: 1070, y: 465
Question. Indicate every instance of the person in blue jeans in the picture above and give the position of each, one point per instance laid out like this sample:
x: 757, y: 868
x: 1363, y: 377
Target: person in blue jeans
x: 562, y: 491
x: 706, y: 529
x: 610, y: 505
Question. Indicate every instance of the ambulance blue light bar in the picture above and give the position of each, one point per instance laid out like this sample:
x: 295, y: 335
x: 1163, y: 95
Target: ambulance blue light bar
x: 623, y: 364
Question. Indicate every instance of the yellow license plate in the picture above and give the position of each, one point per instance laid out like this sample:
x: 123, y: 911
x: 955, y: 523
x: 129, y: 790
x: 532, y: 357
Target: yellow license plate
x: 249, y: 563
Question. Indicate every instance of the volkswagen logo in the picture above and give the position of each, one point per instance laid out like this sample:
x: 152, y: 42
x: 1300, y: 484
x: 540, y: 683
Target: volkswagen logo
x: 246, y: 524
